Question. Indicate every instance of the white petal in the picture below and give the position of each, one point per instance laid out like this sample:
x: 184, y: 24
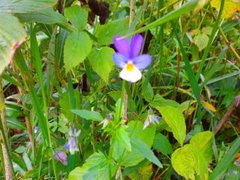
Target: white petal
x: 131, y: 76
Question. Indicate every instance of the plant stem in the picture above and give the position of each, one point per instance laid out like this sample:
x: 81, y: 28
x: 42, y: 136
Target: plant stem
x: 132, y: 11
x: 4, y: 144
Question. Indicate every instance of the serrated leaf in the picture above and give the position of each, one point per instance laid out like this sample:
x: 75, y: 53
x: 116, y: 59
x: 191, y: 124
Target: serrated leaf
x: 162, y: 144
x: 12, y: 34
x: 77, y: 47
x: 77, y: 16
x: 192, y: 159
x: 205, y: 147
x: 183, y: 161
x: 201, y: 41
x: 106, y: 32
x: 88, y: 115
x: 101, y: 61
x: 175, y: 120
x: 229, y: 8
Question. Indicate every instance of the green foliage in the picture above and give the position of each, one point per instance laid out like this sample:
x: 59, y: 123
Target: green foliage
x: 11, y: 36
x: 101, y: 61
x: 77, y: 47
x: 66, y: 113
x: 175, y: 120
x: 192, y: 159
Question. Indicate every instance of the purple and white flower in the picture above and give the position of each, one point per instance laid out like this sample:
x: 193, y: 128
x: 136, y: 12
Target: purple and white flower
x: 71, y: 144
x: 128, y: 59
x: 151, y: 118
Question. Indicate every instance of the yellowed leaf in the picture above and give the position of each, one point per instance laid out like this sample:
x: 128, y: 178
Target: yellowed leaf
x: 230, y: 7
x: 209, y: 106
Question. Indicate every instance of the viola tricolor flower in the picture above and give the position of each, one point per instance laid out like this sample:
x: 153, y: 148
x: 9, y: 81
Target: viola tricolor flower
x: 71, y: 144
x: 128, y: 59
x: 151, y: 118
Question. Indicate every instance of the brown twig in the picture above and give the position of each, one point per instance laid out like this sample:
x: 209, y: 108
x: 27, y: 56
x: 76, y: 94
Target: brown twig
x: 228, y: 114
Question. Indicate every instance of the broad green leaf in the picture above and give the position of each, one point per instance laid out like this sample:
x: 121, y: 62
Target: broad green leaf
x: 175, y: 120
x: 12, y: 34
x: 205, y: 147
x: 162, y: 144
x: 97, y: 166
x: 25, y: 6
x: 135, y: 131
x: 145, y: 151
x: 46, y: 16
x: 88, y: 115
x: 123, y: 138
x: 106, y: 32
x: 183, y: 161
x: 77, y: 47
x: 230, y: 7
x: 159, y: 101
x: 194, y: 157
x: 147, y: 90
x: 77, y: 16
x: 101, y: 61
x: 201, y: 41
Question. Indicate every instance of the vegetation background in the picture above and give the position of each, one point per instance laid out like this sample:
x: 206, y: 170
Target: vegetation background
x: 66, y: 114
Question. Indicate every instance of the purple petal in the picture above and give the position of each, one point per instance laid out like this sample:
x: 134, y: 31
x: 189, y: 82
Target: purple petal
x: 122, y: 45
x: 136, y: 45
x: 142, y: 61
x: 120, y: 60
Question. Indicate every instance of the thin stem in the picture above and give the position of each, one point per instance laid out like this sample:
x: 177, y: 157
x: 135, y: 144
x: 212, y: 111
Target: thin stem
x: 7, y: 163
x: 132, y: 11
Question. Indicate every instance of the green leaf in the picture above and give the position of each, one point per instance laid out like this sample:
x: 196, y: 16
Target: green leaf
x: 88, y: 115
x: 162, y: 144
x: 105, y: 33
x: 25, y: 6
x: 147, y: 90
x: 175, y: 120
x: 201, y: 41
x: 101, y: 61
x: 46, y: 16
x: 205, y: 147
x: 145, y: 151
x: 77, y: 16
x: 123, y: 138
x: 77, y: 47
x: 192, y: 159
x: 183, y: 161
x: 12, y: 34
x: 135, y: 131
x: 159, y: 101
x: 97, y: 166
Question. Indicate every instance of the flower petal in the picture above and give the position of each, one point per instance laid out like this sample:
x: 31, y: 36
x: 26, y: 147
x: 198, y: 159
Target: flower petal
x: 122, y: 45
x: 120, y: 60
x: 131, y: 76
x: 136, y: 45
x: 142, y: 61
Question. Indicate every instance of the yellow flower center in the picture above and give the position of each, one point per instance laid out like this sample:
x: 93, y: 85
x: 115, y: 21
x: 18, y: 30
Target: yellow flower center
x: 130, y: 66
